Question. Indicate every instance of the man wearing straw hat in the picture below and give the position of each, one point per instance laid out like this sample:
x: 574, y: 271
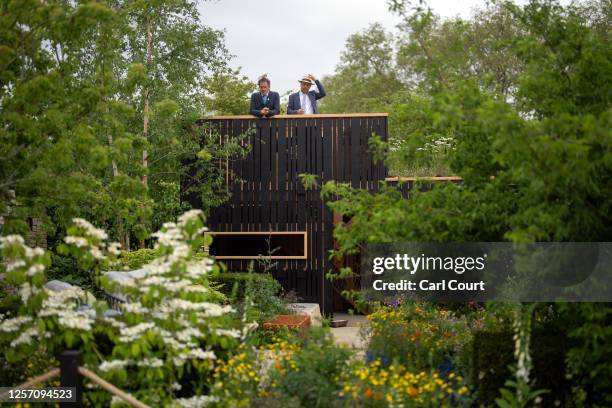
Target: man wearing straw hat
x: 305, y: 101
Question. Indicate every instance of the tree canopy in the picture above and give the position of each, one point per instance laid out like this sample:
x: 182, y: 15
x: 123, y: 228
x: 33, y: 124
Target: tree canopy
x: 97, y: 108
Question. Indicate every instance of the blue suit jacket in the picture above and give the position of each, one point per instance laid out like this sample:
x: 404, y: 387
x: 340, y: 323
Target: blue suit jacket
x: 257, y: 104
x: 294, y: 99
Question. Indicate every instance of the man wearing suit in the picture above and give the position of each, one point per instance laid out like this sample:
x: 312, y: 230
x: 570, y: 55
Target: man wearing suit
x: 265, y: 103
x: 305, y: 101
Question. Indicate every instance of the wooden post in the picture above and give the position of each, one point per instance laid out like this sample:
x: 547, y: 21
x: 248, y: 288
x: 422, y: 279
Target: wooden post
x: 69, y: 375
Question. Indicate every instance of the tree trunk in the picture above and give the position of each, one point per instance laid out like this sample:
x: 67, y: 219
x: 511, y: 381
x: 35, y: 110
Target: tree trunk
x: 120, y: 226
x: 109, y: 139
x: 145, y: 126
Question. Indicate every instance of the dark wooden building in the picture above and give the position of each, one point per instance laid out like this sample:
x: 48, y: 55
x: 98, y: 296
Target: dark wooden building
x: 270, y: 208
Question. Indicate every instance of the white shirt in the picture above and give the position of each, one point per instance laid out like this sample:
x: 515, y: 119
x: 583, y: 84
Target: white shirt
x: 305, y: 103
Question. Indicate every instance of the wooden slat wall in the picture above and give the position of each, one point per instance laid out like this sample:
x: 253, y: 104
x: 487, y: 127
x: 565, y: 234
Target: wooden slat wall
x: 270, y: 197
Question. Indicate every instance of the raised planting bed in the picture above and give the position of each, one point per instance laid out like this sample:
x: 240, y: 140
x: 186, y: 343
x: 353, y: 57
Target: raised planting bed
x: 295, y: 321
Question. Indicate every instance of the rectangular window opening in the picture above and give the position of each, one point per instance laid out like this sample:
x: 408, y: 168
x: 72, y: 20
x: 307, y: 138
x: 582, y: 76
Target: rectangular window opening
x: 258, y: 245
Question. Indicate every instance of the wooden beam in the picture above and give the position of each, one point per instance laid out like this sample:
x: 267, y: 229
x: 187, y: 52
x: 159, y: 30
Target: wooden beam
x: 424, y: 178
x: 318, y: 115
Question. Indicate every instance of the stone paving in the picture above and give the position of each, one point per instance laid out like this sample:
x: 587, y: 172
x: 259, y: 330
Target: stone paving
x: 351, y: 335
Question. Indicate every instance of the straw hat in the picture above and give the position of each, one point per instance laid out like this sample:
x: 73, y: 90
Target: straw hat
x: 306, y: 79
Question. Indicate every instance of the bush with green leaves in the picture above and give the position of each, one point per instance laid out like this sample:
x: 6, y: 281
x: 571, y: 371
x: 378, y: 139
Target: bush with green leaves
x: 295, y: 370
x: 536, y: 167
x: 260, y: 290
x: 162, y: 345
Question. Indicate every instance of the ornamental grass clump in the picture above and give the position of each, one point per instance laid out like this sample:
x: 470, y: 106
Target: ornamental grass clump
x: 160, y: 346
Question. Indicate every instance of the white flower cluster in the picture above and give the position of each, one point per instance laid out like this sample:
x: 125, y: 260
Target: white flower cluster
x: 26, y: 336
x: 78, y: 242
x: 97, y: 233
x: 132, y: 333
x: 114, y: 248
x: 11, y: 240
x: 76, y: 320
x: 134, y: 307
x: 11, y: 266
x: 167, y: 291
x: 186, y: 335
x: 438, y: 145
x: 29, y: 262
x: 14, y: 324
x: 168, y: 299
x: 26, y: 291
x: 65, y: 305
x: 29, y: 253
x: 197, y: 401
x: 96, y: 243
x: 111, y: 365
x: 229, y: 333
x: 153, y: 362
x: 522, y: 338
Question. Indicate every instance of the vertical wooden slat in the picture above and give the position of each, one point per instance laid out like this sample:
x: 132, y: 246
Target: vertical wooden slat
x: 236, y: 186
x: 266, y: 162
x: 355, y: 152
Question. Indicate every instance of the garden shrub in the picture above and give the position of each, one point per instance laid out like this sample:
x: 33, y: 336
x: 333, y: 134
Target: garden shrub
x: 589, y: 327
x: 131, y: 260
x: 310, y: 375
x: 493, y: 354
x: 66, y: 268
x: 163, y: 345
x: 261, y: 289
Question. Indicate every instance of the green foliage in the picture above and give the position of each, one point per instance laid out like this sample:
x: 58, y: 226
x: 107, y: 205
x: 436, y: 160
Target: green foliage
x: 307, y: 378
x: 365, y: 77
x: 162, y: 345
x: 309, y: 181
x: 493, y: 355
x: 206, y: 164
x: 261, y: 290
x: 78, y: 82
x: 589, y: 328
x: 66, y: 268
x: 228, y: 93
x: 525, y: 178
x: 132, y: 260
x: 510, y: 400
x: 523, y: 93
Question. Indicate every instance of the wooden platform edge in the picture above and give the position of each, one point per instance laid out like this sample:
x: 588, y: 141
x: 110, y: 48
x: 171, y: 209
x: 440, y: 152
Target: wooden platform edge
x: 424, y: 178
x: 285, y: 116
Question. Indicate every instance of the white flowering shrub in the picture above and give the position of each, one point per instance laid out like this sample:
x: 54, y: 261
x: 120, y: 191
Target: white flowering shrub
x: 40, y: 323
x: 46, y: 321
x: 160, y: 346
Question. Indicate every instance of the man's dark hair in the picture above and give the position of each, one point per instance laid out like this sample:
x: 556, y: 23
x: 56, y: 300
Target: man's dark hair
x: 263, y: 79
